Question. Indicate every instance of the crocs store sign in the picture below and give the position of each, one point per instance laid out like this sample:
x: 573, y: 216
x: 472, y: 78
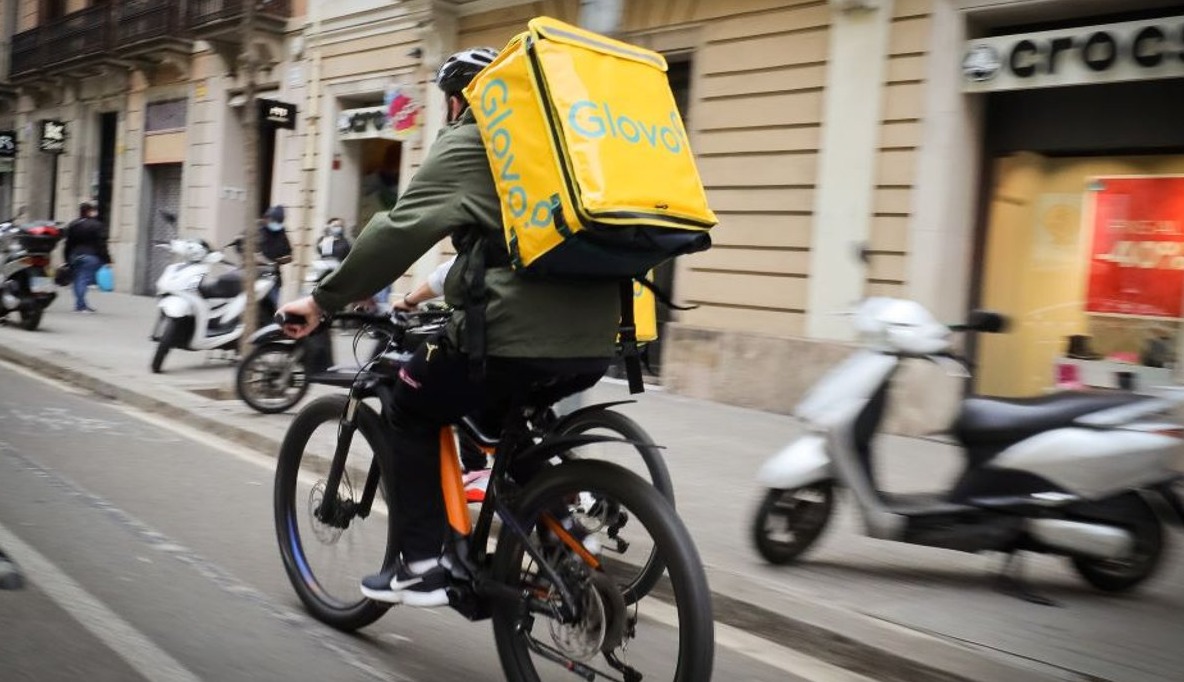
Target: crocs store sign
x: 1109, y: 53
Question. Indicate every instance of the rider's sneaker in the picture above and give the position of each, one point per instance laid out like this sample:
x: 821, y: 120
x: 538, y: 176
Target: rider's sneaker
x: 418, y: 583
x: 476, y: 482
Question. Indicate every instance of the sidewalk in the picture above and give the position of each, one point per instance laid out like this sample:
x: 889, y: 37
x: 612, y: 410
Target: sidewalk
x: 887, y: 610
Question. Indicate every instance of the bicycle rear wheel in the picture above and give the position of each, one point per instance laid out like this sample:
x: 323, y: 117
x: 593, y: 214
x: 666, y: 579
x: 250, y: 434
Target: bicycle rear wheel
x: 641, y: 449
x: 638, y: 575
x: 671, y: 639
x: 326, y: 558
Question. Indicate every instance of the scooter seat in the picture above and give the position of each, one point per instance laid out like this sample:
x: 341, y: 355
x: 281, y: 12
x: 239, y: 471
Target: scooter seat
x: 995, y: 422
x: 228, y: 285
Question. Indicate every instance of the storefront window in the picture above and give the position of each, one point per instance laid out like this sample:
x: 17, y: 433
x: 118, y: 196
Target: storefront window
x: 1086, y: 255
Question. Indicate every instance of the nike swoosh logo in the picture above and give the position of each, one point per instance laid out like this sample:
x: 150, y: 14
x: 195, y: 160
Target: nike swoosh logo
x: 397, y: 585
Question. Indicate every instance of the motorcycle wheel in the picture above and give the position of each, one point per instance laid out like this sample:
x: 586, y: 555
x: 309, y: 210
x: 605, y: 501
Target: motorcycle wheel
x: 1120, y: 575
x: 256, y: 380
x: 31, y: 318
x: 789, y: 522
x: 170, y: 336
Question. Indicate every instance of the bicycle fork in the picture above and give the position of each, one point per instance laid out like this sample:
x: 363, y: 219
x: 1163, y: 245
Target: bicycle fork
x: 334, y: 511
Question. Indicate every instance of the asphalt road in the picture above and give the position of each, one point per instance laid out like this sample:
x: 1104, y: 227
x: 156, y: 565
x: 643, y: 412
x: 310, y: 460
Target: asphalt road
x: 149, y: 553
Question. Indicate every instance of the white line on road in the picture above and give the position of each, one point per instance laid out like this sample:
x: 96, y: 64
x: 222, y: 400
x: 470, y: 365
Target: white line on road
x: 759, y: 649
x: 129, y: 643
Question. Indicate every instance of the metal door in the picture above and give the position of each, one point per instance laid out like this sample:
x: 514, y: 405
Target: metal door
x: 165, y: 182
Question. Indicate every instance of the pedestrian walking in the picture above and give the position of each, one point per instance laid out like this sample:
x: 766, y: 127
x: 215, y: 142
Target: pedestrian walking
x: 86, y: 252
x: 275, y: 247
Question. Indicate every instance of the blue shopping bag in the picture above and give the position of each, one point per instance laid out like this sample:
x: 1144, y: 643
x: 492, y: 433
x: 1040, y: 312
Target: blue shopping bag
x: 105, y: 278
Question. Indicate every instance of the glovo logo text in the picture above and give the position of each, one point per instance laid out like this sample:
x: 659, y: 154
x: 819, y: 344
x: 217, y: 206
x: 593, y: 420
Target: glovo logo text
x: 494, y: 100
x: 595, y: 120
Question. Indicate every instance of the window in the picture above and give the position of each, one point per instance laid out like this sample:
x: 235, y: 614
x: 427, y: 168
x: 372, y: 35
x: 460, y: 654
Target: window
x: 167, y: 114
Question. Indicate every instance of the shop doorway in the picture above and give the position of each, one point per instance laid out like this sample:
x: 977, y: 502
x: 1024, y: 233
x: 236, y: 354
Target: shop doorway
x: 378, y: 178
x: 163, y: 188
x: 266, y: 166
x: 1044, y: 148
x: 108, y: 127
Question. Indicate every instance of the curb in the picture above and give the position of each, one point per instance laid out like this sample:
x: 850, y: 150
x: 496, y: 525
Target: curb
x: 847, y: 639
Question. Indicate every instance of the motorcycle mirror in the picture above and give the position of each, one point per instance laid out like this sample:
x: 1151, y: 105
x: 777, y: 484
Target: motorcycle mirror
x: 987, y: 321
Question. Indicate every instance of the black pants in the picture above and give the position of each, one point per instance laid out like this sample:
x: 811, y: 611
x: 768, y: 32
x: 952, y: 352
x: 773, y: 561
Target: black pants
x: 435, y: 388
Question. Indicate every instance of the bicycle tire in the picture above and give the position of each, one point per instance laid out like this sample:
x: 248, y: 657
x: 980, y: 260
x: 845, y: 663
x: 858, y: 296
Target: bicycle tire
x: 250, y: 397
x: 341, y: 615
x: 607, y: 420
x: 688, y: 583
x: 629, y: 430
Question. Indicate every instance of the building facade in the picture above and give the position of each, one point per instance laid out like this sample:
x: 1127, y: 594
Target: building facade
x: 138, y: 105
x: 849, y: 147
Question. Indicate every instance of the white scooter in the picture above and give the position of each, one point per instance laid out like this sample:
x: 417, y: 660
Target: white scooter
x: 200, y: 313
x: 1084, y: 475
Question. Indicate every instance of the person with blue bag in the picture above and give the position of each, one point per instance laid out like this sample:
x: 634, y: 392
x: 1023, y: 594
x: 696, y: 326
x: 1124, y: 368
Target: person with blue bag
x: 86, y: 252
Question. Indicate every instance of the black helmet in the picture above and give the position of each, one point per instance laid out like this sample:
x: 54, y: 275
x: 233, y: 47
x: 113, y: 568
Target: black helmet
x: 460, y: 68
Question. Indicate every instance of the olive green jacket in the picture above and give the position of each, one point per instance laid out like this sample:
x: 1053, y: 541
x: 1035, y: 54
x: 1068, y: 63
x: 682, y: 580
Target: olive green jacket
x: 525, y: 317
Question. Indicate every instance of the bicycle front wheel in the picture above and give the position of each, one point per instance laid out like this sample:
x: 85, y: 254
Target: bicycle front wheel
x: 327, y: 552
x: 670, y: 638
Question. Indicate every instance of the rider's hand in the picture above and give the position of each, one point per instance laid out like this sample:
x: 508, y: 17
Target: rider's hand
x: 308, y: 309
x: 366, y: 305
x: 401, y: 303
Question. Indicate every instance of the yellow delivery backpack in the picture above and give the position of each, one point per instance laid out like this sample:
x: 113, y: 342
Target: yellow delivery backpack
x: 591, y: 163
x: 589, y: 155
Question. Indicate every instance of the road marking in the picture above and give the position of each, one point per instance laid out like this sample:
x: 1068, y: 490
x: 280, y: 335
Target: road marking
x: 758, y: 648
x: 117, y: 634
x: 349, y: 654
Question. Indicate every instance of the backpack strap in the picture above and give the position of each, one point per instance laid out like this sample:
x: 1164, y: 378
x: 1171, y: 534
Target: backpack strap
x: 661, y: 295
x: 628, y: 339
x: 482, y: 254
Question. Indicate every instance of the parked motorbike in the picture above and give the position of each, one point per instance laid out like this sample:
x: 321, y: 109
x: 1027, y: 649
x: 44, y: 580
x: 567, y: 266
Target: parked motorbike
x: 277, y: 372
x: 198, y: 312
x: 1084, y: 475
x: 25, y: 286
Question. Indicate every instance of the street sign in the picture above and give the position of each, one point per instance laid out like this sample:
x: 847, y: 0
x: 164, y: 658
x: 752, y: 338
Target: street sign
x: 52, y: 139
x: 277, y: 114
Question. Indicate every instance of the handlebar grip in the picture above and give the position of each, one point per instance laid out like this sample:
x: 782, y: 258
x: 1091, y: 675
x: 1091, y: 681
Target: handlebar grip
x: 283, y: 318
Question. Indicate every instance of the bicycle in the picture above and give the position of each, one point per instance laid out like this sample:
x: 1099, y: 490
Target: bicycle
x: 592, y: 603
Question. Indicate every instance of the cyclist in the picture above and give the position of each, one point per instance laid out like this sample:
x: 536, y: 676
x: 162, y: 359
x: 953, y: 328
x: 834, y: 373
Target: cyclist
x: 472, y: 459
x: 558, y: 336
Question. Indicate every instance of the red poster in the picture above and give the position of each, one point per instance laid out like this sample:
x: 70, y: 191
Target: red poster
x: 1137, y: 258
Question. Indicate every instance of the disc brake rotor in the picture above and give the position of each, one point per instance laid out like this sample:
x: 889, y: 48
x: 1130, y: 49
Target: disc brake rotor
x: 327, y: 534
x: 601, y: 626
